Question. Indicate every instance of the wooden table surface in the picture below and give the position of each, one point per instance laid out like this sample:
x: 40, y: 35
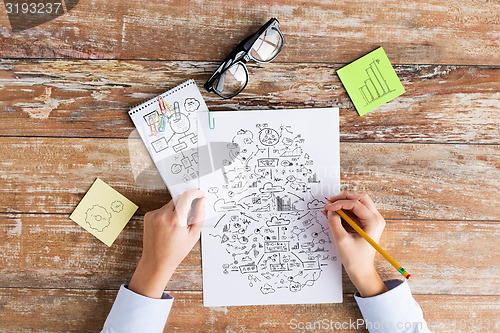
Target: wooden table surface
x: 430, y: 158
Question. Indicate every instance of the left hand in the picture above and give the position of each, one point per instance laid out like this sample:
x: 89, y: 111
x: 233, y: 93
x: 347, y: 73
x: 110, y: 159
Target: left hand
x: 169, y: 235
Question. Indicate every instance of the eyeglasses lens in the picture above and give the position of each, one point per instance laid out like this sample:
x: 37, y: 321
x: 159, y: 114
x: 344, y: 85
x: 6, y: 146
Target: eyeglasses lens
x: 232, y: 81
x: 267, y: 45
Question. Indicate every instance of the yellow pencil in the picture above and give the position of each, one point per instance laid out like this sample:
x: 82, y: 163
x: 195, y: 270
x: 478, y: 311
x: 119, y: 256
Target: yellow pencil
x: 372, y: 242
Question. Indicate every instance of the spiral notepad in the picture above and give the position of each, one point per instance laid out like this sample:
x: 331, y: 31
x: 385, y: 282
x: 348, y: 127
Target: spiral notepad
x: 168, y: 126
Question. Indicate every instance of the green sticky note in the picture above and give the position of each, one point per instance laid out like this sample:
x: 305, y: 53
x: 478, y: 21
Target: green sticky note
x: 103, y: 212
x: 370, y: 81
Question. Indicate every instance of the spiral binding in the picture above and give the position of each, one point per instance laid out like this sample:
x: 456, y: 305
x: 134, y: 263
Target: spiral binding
x: 153, y: 100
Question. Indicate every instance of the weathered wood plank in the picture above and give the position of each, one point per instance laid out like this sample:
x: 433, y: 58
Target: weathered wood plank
x: 52, y: 251
x: 422, y: 31
x: 51, y: 175
x: 66, y: 310
x: 90, y: 98
x: 443, y: 105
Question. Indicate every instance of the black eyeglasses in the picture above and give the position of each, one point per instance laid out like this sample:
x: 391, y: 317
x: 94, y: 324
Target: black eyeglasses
x: 232, y: 75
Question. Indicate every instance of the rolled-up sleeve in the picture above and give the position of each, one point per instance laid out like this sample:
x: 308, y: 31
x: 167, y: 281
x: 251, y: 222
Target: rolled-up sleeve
x: 393, y: 311
x: 132, y: 312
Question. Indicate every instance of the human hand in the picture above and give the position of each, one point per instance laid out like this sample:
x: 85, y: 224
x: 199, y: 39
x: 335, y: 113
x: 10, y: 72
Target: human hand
x: 357, y: 255
x: 169, y: 235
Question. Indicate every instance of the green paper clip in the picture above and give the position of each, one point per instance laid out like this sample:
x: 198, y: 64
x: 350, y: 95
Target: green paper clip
x: 211, y: 121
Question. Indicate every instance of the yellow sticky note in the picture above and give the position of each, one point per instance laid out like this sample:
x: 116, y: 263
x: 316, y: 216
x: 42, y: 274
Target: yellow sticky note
x: 103, y: 212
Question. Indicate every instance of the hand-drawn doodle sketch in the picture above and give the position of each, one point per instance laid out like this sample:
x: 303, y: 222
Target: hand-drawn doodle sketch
x: 103, y: 211
x: 98, y: 217
x: 191, y: 104
x: 270, y: 223
x: 168, y: 126
x: 376, y: 85
x: 171, y: 129
x: 117, y: 206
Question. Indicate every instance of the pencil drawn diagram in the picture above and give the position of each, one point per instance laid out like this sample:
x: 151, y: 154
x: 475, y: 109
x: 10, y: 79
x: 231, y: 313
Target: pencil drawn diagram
x: 270, y: 224
x: 376, y: 85
x: 173, y: 134
x: 117, y: 206
x: 98, y: 217
x: 191, y: 104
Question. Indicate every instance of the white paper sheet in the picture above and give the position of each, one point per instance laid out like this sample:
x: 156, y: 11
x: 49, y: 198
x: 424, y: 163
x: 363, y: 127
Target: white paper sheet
x: 265, y: 240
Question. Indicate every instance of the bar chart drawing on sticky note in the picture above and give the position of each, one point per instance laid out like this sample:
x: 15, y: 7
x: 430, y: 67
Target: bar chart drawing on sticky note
x: 370, y: 81
x: 376, y: 85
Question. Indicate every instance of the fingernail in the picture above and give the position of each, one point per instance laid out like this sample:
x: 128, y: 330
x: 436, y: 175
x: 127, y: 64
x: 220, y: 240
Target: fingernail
x: 330, y: 213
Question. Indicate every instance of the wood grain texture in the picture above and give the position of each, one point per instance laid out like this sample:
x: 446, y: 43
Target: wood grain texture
x: 86, y: 311
x: 51, y: 175
x: 51, y: 251
x: 423, y: 31
x: 443, y: 104
x: 430, y: 158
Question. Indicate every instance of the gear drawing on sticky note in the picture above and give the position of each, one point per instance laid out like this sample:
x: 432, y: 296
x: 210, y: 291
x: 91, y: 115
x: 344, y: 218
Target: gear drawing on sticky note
x: 191, y: 104
x: 117, y: 206
x: 98, y: 217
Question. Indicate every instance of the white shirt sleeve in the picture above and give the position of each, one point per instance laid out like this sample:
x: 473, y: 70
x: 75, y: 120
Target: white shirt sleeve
x: 393, y: 311
x: 132, y: 312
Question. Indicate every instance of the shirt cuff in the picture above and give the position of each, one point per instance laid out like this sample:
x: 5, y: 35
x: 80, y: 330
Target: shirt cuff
x: 132, y: 312
x: 393, y: 311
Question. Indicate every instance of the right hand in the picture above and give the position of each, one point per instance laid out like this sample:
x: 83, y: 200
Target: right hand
x: 357, y: 255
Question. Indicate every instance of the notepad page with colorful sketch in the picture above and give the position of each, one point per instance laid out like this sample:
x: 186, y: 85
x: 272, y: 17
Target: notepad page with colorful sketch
x: 168, y: 126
